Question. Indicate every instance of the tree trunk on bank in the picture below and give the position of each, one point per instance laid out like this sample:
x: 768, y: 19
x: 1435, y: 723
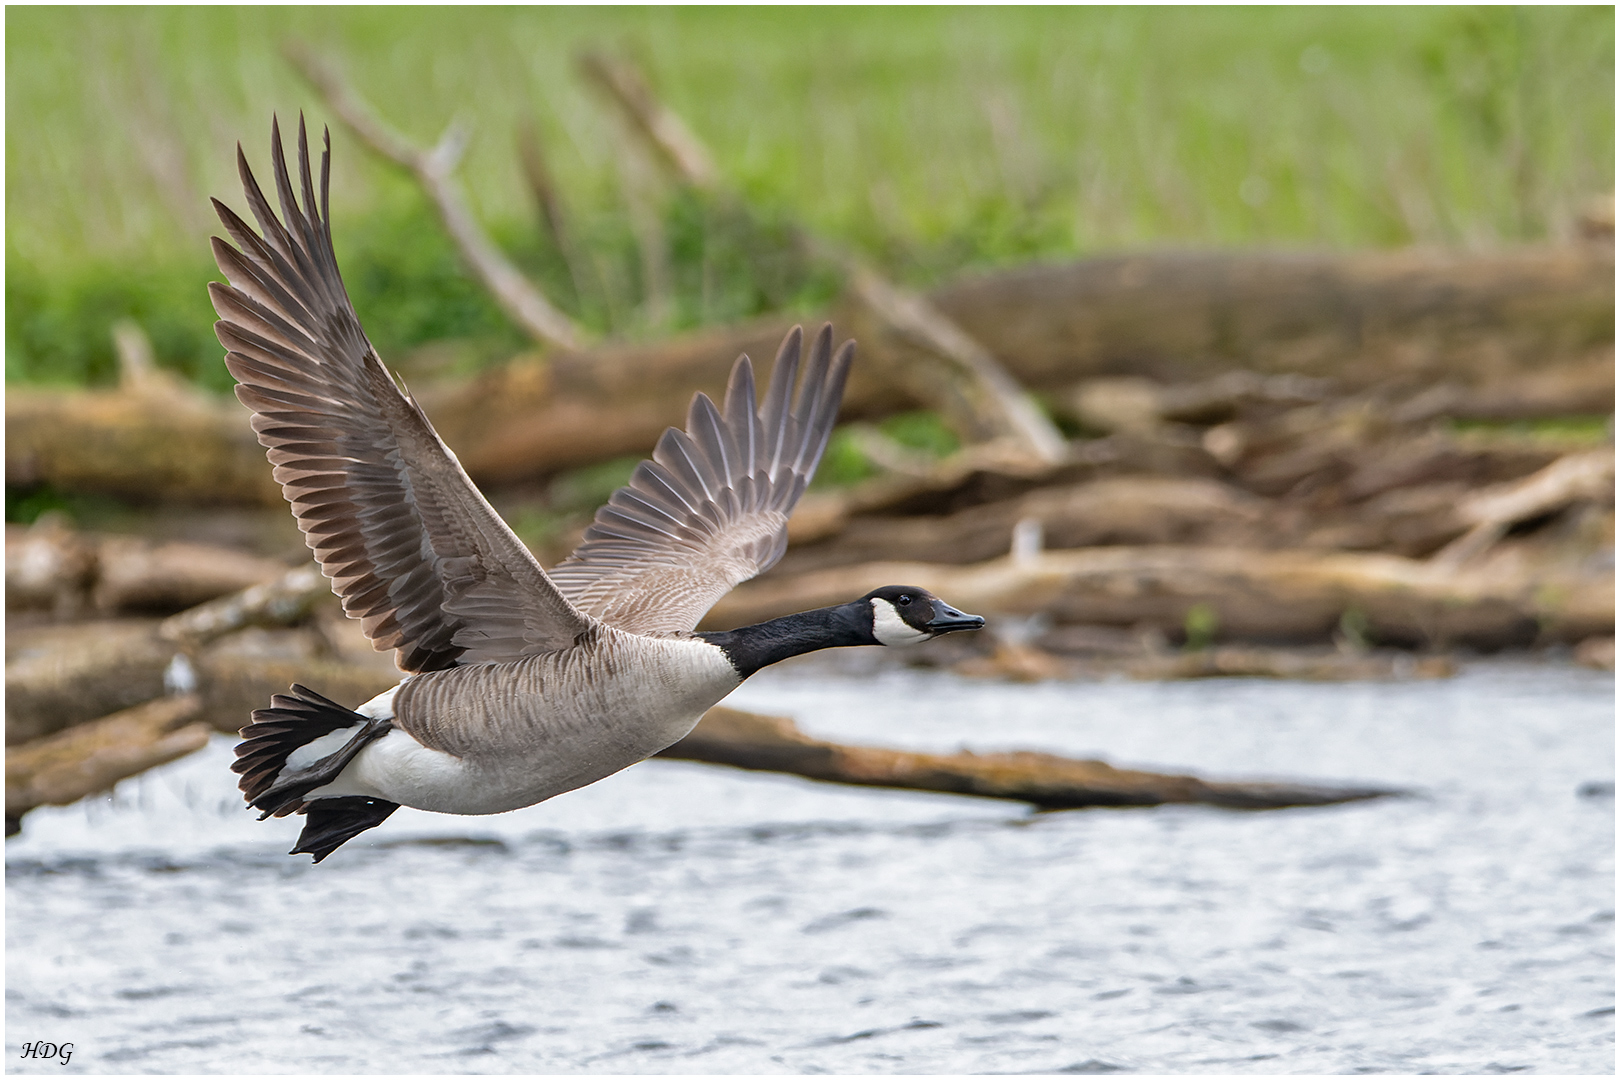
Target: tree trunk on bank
x: 139, y: 446
x: 1512, y: 334
x: 1482, y: 320
x: 1526, y: 333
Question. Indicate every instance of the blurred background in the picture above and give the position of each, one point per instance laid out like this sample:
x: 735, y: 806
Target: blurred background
x: 1251, y: 369
x: 933, y: 142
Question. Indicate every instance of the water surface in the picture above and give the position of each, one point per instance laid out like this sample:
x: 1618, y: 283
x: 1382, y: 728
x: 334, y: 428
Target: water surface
x: 686, y: 918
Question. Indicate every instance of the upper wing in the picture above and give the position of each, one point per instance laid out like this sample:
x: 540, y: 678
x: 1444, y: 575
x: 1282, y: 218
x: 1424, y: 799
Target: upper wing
x: 710, y: 510
x: 413, y: 549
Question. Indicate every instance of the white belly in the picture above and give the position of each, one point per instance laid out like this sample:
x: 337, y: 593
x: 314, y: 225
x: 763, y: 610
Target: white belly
x: 525, y: 737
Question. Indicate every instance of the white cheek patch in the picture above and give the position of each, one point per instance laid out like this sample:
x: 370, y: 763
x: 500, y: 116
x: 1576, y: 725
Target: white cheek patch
x: 890, y: 629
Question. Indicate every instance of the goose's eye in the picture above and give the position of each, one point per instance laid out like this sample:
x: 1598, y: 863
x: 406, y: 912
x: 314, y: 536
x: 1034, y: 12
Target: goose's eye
x: 903, y: 601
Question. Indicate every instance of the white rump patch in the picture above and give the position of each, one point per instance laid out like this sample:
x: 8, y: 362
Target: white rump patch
x: 890, y: 629
x: 325, y: 746
x: 380, y: 707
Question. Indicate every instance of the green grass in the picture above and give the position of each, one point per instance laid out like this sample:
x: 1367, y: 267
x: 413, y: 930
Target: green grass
x: 934, y: 140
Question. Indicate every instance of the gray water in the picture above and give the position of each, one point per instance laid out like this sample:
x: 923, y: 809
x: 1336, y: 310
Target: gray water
x: 685, y: 918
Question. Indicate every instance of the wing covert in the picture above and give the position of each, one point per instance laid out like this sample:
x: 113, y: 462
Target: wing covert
x: 710, y: 509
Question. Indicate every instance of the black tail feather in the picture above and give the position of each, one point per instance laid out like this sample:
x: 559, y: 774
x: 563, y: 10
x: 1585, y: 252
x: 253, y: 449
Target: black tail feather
x: 291, y: 722
x: 331, y: 822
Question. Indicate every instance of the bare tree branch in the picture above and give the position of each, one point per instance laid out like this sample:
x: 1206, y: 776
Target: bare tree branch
x: 938, y: 362
x: 435, y: 171
x: 681, y: 150
x: 532, y: 156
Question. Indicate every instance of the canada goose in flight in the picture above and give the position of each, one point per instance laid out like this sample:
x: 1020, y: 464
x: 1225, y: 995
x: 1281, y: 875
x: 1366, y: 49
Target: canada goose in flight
x: 519, y: 684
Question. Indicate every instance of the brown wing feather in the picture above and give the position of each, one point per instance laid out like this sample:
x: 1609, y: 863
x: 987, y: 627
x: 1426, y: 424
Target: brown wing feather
x: 710, y: 510
x: 412, y: 548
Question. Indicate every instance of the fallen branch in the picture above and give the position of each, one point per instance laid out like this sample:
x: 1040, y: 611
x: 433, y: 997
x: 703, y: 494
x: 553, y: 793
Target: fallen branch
x: 231, y: 687
x: 64, y: 768
x: 660, y: 127
x: 775, y: 744
x: 136, y: 575
x: 1357, y: 447
x: 1576, y: 477
x: 435, y: 171
x: 1596, y: 652
x: 50, y: 566
x: 283, y: 602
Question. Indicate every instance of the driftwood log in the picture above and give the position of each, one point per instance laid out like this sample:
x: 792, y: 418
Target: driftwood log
x: 92, y: 757
x: 1496, y: 323
x: 284, y: 601
x: 775, y: 744
x: 69, y: 675
x: 1596, y: 652
x: 1236, y: 662
x: 65, y: 675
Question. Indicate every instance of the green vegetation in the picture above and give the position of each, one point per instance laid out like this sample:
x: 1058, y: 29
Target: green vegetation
x: 84, y: 511
x: 1593, y: 429
x: 934, y: 140
x: 844, y: 464
x: 1201, y: 625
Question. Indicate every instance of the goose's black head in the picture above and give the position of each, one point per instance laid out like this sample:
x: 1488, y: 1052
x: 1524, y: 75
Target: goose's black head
x: 892, y: 615
x: 905, y: 615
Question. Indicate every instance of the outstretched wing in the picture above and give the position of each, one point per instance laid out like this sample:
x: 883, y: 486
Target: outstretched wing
x: 710, y: 510
x: 412, y: 548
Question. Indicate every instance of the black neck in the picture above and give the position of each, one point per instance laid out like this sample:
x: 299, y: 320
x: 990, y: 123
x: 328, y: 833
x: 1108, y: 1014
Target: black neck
x: 750, y: 648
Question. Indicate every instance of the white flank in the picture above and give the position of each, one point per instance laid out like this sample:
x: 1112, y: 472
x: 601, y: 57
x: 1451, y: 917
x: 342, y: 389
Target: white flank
x: 890, y: 629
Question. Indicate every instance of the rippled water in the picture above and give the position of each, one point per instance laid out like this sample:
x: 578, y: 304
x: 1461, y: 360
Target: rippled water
x: 684, y: 918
